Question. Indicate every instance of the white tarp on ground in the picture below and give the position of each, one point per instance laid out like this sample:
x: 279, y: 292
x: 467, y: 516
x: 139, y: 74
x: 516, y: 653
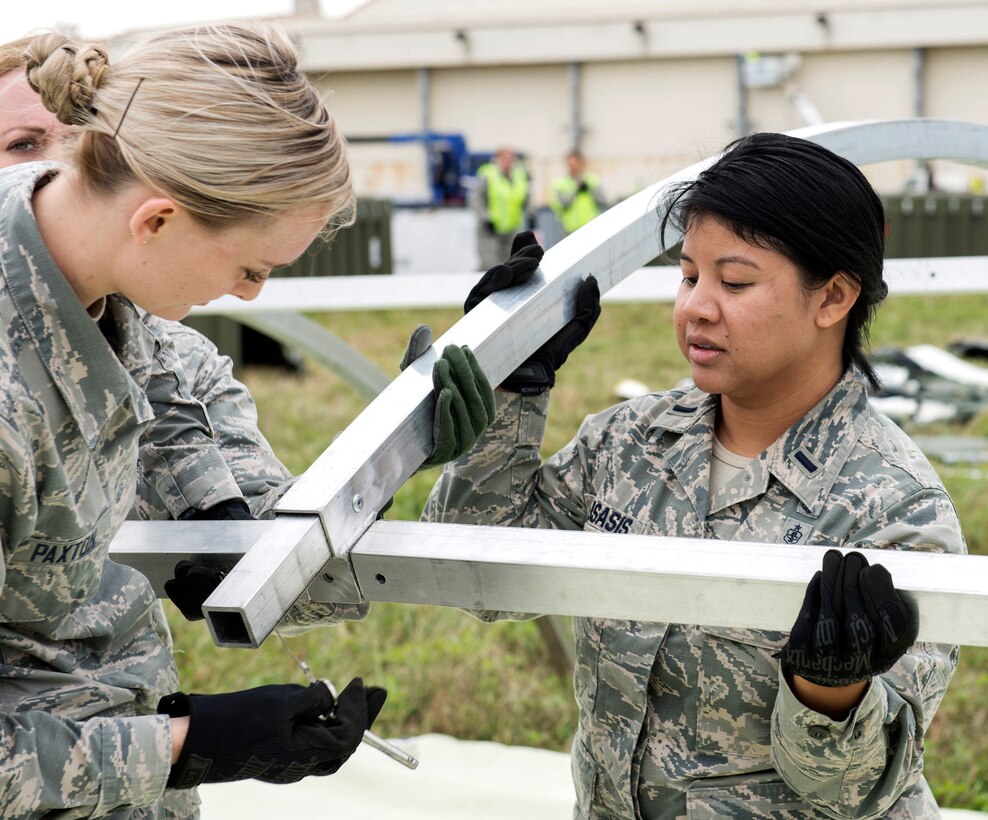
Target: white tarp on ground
x: 455, y: 780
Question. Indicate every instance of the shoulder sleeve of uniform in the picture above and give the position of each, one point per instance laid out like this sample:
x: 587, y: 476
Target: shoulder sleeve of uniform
x: 258, y: 472
x: 502, y: 480
x: 860, y: 766
x: 925, y: 519
x: 491, y: 484
x: 886, y: 744
x: 90, y: 769
x: 180, y: 458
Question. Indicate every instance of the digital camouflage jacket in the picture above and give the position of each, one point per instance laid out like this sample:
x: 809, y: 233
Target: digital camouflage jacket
x: 84, y: 649
x: 224, y: 406
x: 681, y: 721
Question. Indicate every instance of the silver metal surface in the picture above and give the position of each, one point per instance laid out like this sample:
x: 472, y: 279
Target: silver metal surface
x: 261, y: 588
x: 392, y: 751
x: 384, y: 446
x: 677, y: 580
x: 155, y: 547
x: 886, y: 140
x: 291, y: 554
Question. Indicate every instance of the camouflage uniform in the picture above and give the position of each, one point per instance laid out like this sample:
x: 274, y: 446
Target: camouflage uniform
x: 84, y: 650
x: 226, y: 408
x: 181, y: 466
x: 680, y: 721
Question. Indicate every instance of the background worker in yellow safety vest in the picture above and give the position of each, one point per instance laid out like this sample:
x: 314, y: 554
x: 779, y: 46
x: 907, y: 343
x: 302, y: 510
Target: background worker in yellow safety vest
x: 576, y: 198
x: 500, y: 200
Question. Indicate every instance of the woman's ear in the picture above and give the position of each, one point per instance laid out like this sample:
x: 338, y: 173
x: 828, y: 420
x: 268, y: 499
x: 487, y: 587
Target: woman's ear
x: 838, y: 297
x: 150, y: 217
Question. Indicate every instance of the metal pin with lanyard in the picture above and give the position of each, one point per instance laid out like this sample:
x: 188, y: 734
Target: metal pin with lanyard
x: 369, y: 737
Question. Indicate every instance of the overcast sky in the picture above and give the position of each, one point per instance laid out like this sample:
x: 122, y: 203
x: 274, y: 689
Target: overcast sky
x: 98, y: 20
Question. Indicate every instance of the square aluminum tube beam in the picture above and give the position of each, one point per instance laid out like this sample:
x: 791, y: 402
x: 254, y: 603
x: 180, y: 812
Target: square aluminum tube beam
x: 363, y: 468
x: 733, y: 584
x: 288, y: 548
x: 553, y: 572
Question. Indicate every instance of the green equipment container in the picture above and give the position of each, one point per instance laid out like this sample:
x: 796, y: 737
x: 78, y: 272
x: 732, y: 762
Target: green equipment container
x: 360, y: 249
x: 936, y: 224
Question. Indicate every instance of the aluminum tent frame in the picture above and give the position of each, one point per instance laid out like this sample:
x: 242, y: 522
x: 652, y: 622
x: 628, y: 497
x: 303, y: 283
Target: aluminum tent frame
x: 324, y: 541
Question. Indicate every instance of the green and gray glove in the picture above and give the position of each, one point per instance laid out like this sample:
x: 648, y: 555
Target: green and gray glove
x: 464, y: 399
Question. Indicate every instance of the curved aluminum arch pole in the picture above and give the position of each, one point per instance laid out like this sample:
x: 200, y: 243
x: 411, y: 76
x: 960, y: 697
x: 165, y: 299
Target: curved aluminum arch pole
x: 374, y: 456
x: 363, y: 468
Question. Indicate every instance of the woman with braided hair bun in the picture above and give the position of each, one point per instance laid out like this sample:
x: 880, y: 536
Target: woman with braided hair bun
x: 220, y: 466
x: 196, y: 162
x: 203, y: 456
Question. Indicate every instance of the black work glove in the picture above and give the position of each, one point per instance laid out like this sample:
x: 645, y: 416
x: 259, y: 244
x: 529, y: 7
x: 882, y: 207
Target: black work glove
x: 538, y: 373
x: 233, y: 509
x: 489, y: 227
x: 583, y: 187
x: 278, y: 733
x: 194, y: 583
x: 526, y: 254
x: 191, y: 586
x: 464, y: 399
x: 853, y: 624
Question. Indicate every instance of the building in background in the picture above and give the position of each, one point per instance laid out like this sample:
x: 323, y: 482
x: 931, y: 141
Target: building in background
x: 426, y: 90
x: 643, y: 87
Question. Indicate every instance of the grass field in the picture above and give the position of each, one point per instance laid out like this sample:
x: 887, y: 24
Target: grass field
x: 446, y: 672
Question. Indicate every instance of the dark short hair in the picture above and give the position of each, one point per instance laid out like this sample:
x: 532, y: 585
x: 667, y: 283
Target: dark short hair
x: 805, y: 202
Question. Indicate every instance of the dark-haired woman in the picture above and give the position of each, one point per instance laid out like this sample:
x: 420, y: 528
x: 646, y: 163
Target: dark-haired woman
x: 777, y: 442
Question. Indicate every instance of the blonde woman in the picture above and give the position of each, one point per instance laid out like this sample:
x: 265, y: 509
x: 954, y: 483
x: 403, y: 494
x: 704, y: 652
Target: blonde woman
x: 203, y: 456
x: 203, y: 159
